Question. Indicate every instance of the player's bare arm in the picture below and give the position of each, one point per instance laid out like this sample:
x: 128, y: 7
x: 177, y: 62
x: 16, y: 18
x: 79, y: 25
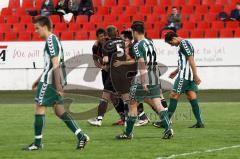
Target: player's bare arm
x: 173, y: 74
x: 194, y: 69
x: 57, y: 78
x: 35, y: 83
x: 143, y: 73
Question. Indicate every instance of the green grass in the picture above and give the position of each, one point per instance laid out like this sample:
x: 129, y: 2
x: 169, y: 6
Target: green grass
x: 221, y: 118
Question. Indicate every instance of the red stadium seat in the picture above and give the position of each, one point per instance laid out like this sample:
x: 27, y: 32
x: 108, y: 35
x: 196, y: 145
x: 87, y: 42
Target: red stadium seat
x: 159, y: 25
x: 237, y: 33
x: 153, y: 18
x: 110, y: 3
x: 109, y: 19
x: 179, y: 3
x: 36, y: 37
x: 159, y: 10
x: 66, y: 35
x: 232, y: 25
x: 92, y: 35
x: 6, y: 11
x: 25, y: 36
x: 1, y: 36
x: 183, y: 33
x: 5, y: 28
x: 217, y: 25
x: 196, y: 18
x: 60, y: 27
x: 189, y: 25
x: 10, y: 36
x: 210, y: 17
x: 165, y: 3
x: 216, y: 9
x: 123, y: 3
x: 82, y: 19
x: 137, y: 2
x: 2, y: 20
x: 19, y: 27
x: 203, y: 25
x: 194, y: 2
x: 149, y: 26
x: 12, y: 19
x: 226, y: 33
x: 187, y: 10
x: 229, y: 8
x: 74, y: 27
x: 203, y: 9
x: 55, y: 19
x: 211, y: 33
x: 153, y: 34
x: 138, y: 17
x: 197, y: 34
x: 26, y: 19
x: 88, y: 27
x: 39, y: 4
x: 132, y: 10
x: 30, y: 27
x: 20, y: 12
x: 14, y: 4
x: 208, y: 2
x: 117, y: 10
x: 164, y: 18
x: 222, y: 2
x: 103, y: 11
x: 124, y: 19
x: 151, y: 2
x: 81, y: 35
x: 97, y: 3
x: 96, y: 19
x: 27, y: 4
x: 145, y: 10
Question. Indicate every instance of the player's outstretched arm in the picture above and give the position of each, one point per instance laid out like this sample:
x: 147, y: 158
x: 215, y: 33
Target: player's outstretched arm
x: 57, y: 78
x: 194, y: 69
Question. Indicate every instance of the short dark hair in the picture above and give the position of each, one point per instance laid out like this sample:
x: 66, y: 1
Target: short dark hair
x: 138, y: 26
x: 43, y: 21
x: 112, y: 31
x: 127, y: 34
x: 169, y: 36
x: 100, y: 31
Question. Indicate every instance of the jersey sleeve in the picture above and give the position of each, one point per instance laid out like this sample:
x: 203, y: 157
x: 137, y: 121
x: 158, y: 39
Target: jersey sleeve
x: 52, y: 46
x: 139, y: 51
x: 186, y: 48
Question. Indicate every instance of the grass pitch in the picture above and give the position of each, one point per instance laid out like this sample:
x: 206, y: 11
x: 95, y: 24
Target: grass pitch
x: 221, y: 118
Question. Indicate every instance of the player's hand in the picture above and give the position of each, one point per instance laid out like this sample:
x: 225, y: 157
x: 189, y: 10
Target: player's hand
x: 105, y: 59
x: 172, y: 75
x: 145, y: 88
x: 34, y: 85
x: 197, y: 79
x: 117, y: 63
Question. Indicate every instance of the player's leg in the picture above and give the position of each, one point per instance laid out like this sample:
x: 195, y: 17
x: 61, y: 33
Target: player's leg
x: 38, y: 127
x: 142, y: 116
x: 72, y: 125
x: 192, y: 97
x: 120, y: 108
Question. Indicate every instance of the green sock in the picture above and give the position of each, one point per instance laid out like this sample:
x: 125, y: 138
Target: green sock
x: 130, y: 124
x: 72, y: 125
x: 196, y: 110
x: 38, y: 126
x: 172, y: 107
x: 164, y: 118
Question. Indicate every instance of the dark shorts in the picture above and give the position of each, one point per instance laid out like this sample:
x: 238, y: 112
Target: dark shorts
x: 107, y: 82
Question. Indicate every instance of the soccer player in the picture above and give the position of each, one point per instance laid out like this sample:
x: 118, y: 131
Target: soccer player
x: 106, y: 79
x: 50, y: 86
x: 187, y: 77
x: 146, y: 83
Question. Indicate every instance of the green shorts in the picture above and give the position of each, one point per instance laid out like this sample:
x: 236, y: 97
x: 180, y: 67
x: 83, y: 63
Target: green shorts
x: 138, y: 94
x: 47, y: 95
x: 181, y: 86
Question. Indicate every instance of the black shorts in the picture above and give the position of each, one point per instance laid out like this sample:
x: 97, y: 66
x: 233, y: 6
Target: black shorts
x: 107, y: 82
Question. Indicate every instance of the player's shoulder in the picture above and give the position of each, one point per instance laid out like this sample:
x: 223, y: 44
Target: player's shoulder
x: 185, y: 44
x: 52, y: 38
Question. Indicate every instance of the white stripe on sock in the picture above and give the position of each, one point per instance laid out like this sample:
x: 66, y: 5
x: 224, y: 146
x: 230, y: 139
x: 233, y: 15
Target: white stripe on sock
x: 77, y: 131
x: 38, y: 137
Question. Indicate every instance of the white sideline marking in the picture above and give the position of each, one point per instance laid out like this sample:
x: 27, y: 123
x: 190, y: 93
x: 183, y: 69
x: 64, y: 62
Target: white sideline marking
x: 197, y: 152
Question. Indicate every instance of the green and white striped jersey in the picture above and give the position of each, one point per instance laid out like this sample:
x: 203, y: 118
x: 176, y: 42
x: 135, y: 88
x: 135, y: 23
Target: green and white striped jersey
x: 53, y: 48
x: 185, y: 50
x: 146, y: 49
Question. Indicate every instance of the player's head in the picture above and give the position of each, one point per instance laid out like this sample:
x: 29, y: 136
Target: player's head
x: 101, y: 35
x: 238, y: 6
x: 127, y: 36
x: 112, y: 31
x: 172, y: 38
x: 174, y: 10
x: 138, y: 29
x: 42, y: 25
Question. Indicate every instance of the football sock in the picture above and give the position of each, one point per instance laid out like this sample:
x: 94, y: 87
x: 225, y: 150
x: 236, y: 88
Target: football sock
x: 141, y: 113
x: 102, y: 108
x: 172, y: 107
x: 130, y: 124
x: 126, y: 110
x: 38, y: 126
x: 196, y: 110
x: 72, y: 125
x: 164, y: 103
x: 164, y: 118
